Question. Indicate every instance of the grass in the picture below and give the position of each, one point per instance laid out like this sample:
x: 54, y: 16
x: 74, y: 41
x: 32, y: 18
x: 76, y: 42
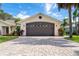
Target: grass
x: 74, y: 38
x: 6, y: 38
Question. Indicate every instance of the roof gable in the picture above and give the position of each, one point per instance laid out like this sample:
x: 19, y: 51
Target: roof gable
x: 6, y: 23
x: 39, y: 14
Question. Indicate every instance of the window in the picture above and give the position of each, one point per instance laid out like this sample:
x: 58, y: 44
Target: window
x: 40, y: 17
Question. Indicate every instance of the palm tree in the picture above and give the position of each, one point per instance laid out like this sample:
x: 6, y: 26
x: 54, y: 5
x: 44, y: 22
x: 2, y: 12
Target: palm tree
x: 67, y: 6
x: 76, y: 14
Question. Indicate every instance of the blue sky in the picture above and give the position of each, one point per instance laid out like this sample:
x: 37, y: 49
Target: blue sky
x: 24, y: 10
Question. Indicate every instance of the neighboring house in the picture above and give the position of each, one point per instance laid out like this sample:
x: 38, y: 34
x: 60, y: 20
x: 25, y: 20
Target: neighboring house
x: 67, y: 28
x: 6, y: 27
x: 40, y: 25
x: 74, y: 26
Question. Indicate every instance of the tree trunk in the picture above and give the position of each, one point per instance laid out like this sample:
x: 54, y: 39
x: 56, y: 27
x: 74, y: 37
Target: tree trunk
x: 78, y: 25
x: 75, y: 27
x: 70, y: 23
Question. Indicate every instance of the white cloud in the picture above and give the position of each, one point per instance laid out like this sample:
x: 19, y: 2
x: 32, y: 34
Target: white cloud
x: 54, y: 6
x: 49, y: 7
x: 22, y: 15
x: 66, y: 17
x: 57, y: 15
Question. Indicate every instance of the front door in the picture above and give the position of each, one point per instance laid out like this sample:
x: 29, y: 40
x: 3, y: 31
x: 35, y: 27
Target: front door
x: 7, y: 30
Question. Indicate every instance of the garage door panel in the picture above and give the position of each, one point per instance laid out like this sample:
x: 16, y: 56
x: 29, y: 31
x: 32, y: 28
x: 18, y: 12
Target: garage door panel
x: 39, y: 29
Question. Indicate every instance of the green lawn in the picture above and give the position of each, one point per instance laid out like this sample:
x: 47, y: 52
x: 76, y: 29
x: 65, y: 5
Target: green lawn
x: 74, y: 38
x: 6, y: 38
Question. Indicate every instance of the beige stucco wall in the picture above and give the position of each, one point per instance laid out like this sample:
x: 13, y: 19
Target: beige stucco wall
x: 36, y: 19
x: 8, y: 24
x: 1, y: 29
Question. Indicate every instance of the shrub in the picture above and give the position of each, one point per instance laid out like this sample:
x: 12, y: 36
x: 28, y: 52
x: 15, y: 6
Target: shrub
x: 11, y: 34
x: 60, y: 31
x: 17, y: 30
x: 74, y: 33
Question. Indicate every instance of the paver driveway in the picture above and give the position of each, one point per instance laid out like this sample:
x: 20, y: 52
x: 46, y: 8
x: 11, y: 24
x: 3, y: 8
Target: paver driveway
x: 39, y: 46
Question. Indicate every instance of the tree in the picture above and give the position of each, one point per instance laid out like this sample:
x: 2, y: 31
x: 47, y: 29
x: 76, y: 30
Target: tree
x: 5, y: 16
x: 16, y: 20
x: 64, y: 23
x: 75, y: 25
x: 1, y: 11
x: 76, y: 14
x: 17, y: 28
x: 0, y: 6
x: 67, y: 6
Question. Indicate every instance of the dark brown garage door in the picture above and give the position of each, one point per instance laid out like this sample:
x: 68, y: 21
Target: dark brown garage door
x: 40, y: 29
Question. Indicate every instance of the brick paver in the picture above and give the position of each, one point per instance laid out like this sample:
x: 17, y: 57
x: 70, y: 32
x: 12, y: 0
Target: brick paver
x: 39, y: 46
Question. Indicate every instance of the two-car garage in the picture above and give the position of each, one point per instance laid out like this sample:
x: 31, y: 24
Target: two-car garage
x: 40, y: 29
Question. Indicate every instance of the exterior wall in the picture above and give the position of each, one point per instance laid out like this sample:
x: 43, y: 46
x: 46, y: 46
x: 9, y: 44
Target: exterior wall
x: 12, y: 28
x: 57, y: 26
x: 44, y: 19
x: 23, y: 27
x: 3, y: 26
x: 1, y: 30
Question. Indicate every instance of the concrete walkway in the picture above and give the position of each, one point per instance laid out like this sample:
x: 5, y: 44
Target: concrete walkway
x: 39, y: 46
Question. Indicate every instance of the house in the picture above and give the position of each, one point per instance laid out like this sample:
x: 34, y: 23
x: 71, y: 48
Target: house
x: 40, y: 25
x: 75, y: 25
x: 6, y: 27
